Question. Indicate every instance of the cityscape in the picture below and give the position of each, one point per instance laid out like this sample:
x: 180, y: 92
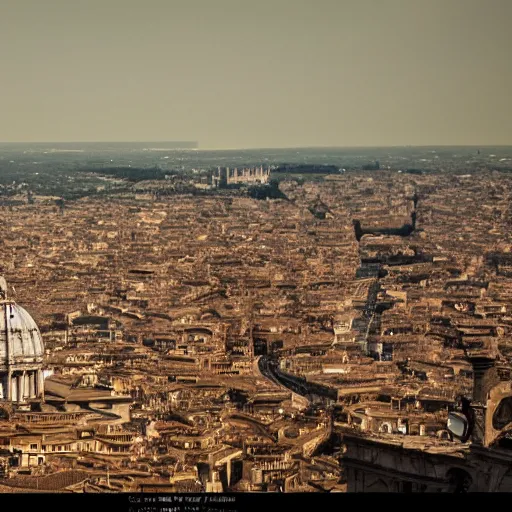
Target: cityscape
x: 254, y: 254
x: 194, y: 333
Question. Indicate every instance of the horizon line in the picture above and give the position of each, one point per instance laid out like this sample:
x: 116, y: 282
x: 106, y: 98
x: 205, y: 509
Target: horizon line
x: 362, y: 146
x: 97, y: 141
x: 245, y: 148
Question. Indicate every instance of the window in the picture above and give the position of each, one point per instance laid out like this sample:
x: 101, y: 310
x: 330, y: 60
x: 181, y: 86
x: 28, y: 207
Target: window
x: 33, y: 446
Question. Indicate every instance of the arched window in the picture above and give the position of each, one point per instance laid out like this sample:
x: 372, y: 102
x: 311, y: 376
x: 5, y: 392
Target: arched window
x: 459, y: 481
x: 503, y: 414
x: 384, y: 428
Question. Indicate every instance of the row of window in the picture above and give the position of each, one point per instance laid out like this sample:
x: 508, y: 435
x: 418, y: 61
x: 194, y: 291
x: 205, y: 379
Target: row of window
x: 63, y: 448
x: 51, y: 448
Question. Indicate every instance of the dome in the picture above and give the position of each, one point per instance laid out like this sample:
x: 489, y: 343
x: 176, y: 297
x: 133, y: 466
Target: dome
x: 21, y: 353
x: 20, y: 339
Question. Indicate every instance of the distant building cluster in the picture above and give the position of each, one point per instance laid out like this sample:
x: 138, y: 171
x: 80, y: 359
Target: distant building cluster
x: 225, y: 176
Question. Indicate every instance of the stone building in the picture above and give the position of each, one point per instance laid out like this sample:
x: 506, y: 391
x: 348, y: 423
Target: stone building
x: 478, y: 458
x: 21, y: 353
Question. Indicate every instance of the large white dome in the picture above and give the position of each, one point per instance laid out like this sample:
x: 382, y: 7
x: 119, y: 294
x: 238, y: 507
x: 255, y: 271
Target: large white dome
x: 20, y: 339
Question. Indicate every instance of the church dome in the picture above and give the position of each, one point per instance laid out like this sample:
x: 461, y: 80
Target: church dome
x: 20, y: 339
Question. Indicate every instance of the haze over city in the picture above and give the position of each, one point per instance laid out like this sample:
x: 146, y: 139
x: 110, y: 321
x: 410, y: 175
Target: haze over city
x: 252, y: 249
x: 237, y: 74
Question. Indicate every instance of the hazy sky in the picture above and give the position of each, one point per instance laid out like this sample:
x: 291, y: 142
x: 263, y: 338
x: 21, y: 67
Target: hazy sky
x: 262, y: 73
